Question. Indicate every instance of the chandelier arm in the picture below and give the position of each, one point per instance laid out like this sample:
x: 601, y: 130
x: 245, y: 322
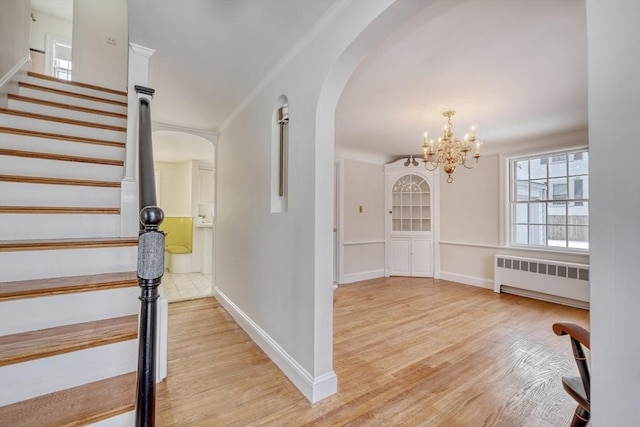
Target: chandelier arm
x: 475, y: 163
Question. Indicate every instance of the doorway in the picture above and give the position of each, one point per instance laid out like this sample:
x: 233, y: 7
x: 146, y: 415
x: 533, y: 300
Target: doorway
x: 51, y: 35
x: 184, y: 166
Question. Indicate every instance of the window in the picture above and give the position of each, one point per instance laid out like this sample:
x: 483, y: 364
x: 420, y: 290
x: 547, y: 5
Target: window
x: 549, y: 200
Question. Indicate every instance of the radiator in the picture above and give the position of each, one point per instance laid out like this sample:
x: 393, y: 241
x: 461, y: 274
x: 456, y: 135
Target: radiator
x: 560, y: 282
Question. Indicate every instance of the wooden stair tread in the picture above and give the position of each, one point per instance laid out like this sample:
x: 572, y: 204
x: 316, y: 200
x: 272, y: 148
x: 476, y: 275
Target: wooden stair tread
x: 32, y: 345
x: 60, y: 157
x: 58, y: 181
x: 80, y: 405
x: 78, y: 84
x: 66, y: 285
x: 49, y: 244
x: 71, y: 138
x: 37, y: 116
x: 58, y: 210
x: 72, y: 94
x: 29, y: 99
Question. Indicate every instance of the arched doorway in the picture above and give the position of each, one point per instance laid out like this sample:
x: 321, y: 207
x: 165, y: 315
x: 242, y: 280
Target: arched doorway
x: 184, y: 166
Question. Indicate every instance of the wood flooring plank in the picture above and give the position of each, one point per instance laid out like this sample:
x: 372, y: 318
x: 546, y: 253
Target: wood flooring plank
x: 65, y: 285
x: 37, y: 116
x: 407, y: 351
x: 77, y: 406
x: 77, y: 84
x: 59, y: 210
x: 29, y: 99
x: 72, y: 94
x: 59, y: 157
x: 33, y: 345
x: 59, y: 181
x: 70, y: 138
x: 50, y: 244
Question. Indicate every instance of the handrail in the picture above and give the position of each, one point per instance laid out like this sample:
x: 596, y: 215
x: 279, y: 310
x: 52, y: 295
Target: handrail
x: 150, y: 265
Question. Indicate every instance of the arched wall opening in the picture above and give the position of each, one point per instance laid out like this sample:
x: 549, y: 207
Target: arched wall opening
x: 373, y: 35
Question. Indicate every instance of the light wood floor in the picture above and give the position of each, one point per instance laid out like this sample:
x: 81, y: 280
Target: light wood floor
x: 407, y: 352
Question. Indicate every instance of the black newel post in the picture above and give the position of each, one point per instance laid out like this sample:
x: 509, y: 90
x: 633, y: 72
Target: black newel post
x: 150, y: 269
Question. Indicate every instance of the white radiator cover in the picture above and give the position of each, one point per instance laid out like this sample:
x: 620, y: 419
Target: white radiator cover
x: 561, y: 282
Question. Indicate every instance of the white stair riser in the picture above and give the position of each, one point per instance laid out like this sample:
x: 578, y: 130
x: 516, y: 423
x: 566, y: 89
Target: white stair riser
x: 57, y: 146
x: 27, y: 265
x: 72, y: 100
x: 23, y: 194
x: 33, y: 314
x: 76, y: 89
x: 31, y: 107
x: 42, y: 376
x: 17, y: 122
x: 127, y: 419
x: 28, y: 166
x: 58, y: 226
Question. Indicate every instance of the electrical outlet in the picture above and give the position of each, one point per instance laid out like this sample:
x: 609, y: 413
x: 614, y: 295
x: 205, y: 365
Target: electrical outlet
x: 112, y: 40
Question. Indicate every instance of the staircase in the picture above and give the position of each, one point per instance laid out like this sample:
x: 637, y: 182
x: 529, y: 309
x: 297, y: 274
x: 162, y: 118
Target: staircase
x: 68, y: 294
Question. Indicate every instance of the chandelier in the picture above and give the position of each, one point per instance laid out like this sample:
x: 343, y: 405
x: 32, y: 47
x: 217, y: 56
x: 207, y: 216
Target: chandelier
x: 449, y: 151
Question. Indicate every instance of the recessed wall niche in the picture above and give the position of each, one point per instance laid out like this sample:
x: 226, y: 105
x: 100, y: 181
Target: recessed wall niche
x: 279, y: 154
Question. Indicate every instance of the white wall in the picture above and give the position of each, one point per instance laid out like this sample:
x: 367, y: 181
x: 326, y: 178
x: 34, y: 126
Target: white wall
x: 363, y: 245
x: 470, y: 211
x: 614, y: 109
x: 15, y: 22
x: 49, y: 24
x: 175, y: 188
x: 95, y: 61
x: 274, y: 271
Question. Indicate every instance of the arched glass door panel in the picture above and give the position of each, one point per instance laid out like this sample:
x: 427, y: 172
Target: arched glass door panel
x: 410, y: 204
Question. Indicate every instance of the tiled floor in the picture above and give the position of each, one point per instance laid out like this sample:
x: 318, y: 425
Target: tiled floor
x: 181, y: 287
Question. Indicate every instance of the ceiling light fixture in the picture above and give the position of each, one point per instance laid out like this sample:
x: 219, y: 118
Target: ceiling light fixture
x: 449, y: 152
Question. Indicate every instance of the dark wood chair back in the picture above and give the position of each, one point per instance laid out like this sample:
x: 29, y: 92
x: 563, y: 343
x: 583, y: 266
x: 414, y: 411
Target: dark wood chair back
x: 579, y: 388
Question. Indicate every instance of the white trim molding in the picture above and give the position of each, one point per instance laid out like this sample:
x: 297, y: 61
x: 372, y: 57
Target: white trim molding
x: 364, y: 275
x: 479, y: 282
x: 14, y: 71
x: 313, y: 388
x: 365, y: 242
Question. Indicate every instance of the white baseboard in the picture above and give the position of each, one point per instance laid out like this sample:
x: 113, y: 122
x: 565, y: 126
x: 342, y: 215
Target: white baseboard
x: 467, y: 280
x: 314, y: 389
x: 364, y: 275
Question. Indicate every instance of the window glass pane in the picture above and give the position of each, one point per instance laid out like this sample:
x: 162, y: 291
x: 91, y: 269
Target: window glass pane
x: 557, y: 213
x: 519, y: 236
x: 558, y: 165
x: 519, y: 213
x: 549, y: 197
x: 558, y: 188
x: 521, y: 169
x: 538, y: 235
x: 557, y: 236
x: 538, y: 168
x: 521, y: 190
x: 537, y: 213
x: 578, y: 213
x: 578, y: 237
x: 579, y: 163
x: 539, y: 190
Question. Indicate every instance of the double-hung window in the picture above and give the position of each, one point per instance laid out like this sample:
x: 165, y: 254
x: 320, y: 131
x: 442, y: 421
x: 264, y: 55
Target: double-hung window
x: 549, y: 200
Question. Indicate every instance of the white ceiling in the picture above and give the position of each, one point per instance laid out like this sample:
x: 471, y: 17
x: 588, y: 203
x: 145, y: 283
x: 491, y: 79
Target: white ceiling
x: 170, y: 146
x: 516, y: 69
x: 60, y: 8
x: 210, y: 54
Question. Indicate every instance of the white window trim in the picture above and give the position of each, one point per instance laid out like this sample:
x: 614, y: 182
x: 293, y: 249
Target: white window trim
x: 504, y: 193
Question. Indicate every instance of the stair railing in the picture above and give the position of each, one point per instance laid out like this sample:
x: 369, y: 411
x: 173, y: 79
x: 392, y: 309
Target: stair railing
x: 150, y: 265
